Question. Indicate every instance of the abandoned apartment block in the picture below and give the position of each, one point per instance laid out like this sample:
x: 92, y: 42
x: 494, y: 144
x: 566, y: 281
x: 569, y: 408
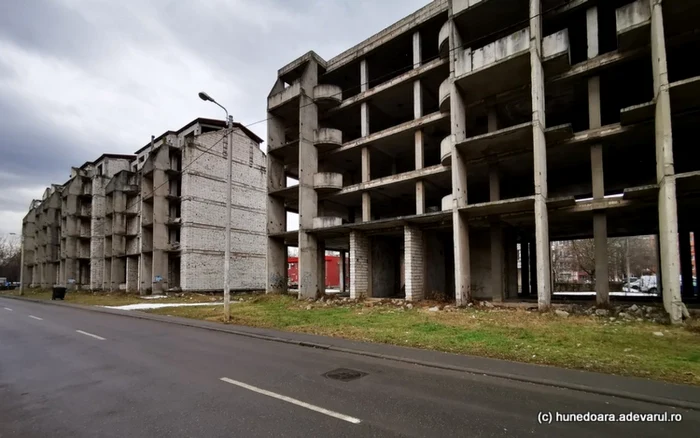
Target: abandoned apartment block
x: 154, y: 221
x: 446, y: 152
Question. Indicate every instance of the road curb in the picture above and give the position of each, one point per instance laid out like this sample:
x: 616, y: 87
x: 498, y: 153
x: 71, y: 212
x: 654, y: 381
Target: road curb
x: 682, y: 404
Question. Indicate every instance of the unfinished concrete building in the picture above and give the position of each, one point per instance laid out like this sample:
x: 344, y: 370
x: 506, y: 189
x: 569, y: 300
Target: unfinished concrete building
x: 154, y: 221
x: 450, y: 148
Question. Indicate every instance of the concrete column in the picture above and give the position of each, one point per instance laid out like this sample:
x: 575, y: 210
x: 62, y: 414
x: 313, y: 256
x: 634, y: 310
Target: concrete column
x: 160, y: 218
x: 309, y: 285
x: 118, y: 272
x: 97, y: 232
x: 600, y: 234
x: 70, y: 275
x: 321, y: 261
x: 359, y: 266
x: 414, y: 267
x: 668, y: 214
x: 542, y: 249
x: 511, y: 264
x: 686, y: 264
x: 366, y: 198
x: 497, y: 252
x: 460, y: 226
x: 364, y: 131
x: 276, y: 264
x: 534, y: 289
x: 525, y: 267
x: 342, y: 271
x: 420, y: 160
x: 696, y: 246
x: 417, y: 55
x: 132, y: 273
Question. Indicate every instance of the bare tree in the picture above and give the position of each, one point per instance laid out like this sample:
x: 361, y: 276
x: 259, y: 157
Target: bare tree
x: 10, y: 259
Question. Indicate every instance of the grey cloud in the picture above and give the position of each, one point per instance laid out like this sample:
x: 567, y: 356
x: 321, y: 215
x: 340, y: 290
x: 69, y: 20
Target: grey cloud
x: 238, y: 48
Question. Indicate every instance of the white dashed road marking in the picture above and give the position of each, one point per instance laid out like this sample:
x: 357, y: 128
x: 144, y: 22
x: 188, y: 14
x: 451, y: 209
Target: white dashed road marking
x: 36, y: 317
x: 293, y: 401
x: 7, y: 308
x: 91, y: 335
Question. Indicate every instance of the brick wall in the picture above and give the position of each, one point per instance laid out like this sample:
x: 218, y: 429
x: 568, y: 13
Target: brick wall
x: 414, y: 263
x: 359, y: 265
x: 203, y: 213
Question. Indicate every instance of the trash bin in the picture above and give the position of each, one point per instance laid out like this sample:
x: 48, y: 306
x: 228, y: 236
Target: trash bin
x: 59, y: 293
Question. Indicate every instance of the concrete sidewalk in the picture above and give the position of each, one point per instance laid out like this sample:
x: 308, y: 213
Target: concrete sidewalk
x: 681, y: 396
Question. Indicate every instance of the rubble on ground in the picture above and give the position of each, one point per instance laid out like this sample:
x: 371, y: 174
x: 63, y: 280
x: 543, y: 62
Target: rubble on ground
x: 618, y: 314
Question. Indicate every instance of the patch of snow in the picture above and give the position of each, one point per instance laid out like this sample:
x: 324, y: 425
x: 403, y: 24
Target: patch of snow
x: 145, y: 306
x: 154, y: 297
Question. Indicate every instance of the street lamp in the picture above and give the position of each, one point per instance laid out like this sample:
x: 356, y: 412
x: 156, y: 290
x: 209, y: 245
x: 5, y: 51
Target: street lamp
x: 227, y: 251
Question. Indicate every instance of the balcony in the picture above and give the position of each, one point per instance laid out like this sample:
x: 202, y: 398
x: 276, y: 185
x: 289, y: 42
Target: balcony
x: 85, y: 213
x: 496, y: 67
x: 444, y: 95
x: 86, y: 191
x: 283, y: 97
x: 326, y: 139
x: 325, y: 182
x: 447, y: 203
x: 174, y: 222
x: 326, y: 222
x: 446, y: 150
x: 633, y: 25
x: 444, y: 40
x: 556, y: 54
x: 327, y: 96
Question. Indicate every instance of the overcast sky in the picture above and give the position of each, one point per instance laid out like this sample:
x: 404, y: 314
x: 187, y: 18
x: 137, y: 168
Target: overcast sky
x: 79, y: 78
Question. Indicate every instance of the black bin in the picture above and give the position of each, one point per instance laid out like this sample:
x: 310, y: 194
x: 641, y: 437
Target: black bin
x: 59, y: 293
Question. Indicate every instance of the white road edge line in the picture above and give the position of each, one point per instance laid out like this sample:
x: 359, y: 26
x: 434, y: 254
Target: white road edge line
x: 91, y: 335
x: 293, y: 401
x: 7, y: 308
x: 36, y: 317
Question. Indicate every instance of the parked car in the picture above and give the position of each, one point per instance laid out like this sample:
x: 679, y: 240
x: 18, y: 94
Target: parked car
x: 646, y: 284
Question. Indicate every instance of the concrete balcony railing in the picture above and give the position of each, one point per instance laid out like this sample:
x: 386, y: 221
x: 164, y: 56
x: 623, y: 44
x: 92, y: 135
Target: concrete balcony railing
x: 556, y: 54
x: 444, y: 95
x: 284, y: 96
x: 633, y: 25
x: 444, y: 40
x: 446, y: 151
x: 327, y: 96
x: 326, y: 139
x: 325, y: 182
x: 447, y: 203
x: 462, y: 5
x: 327, y: 222
x: 496, y: 67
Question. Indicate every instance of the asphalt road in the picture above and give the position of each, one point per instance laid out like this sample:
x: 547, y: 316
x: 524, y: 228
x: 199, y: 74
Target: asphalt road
x: 67, y: 372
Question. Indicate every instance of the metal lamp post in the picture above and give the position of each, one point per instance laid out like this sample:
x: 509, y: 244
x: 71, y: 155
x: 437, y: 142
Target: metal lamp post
x: 227, y: 251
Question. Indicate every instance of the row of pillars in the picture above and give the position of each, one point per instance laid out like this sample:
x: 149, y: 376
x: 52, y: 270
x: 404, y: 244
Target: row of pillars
x: 539, y: 252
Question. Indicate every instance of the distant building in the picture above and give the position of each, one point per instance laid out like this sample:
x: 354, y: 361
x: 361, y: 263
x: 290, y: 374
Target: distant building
x: 154, y: 221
